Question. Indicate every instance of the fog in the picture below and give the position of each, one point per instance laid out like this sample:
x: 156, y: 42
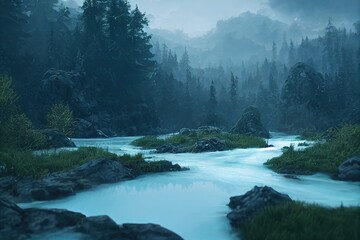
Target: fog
x: 196, y: 18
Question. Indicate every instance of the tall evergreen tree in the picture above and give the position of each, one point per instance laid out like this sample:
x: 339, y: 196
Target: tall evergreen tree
x: 212, y: 117
x: 233, y: 91
x: 291, y: 58
x: 12, y: 34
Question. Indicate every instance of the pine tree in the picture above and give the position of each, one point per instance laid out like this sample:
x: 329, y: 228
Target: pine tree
x: 233, y: 91
x: 291, y: 58
x: 274, y: 52
x: 12, y: 32
x: 212, y: 118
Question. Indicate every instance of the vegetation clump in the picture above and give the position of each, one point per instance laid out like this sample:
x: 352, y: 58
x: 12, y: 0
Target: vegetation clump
x: 297, y: 220
x: 322, y: 157
x: 26, y: 164
x: 15, y: 127
x: 188, y: 140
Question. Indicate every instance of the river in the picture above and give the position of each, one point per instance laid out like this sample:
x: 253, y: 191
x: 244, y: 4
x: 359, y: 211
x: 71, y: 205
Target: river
x: 193, y: 203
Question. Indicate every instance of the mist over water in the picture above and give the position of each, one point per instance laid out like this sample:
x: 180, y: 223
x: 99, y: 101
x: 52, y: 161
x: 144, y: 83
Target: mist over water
x: 193, y: 203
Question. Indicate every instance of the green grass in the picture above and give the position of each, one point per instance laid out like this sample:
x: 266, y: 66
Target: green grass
x: 322, y: 157
x: 298, y: 221
x: 232, y: 141
x: 26, y: 164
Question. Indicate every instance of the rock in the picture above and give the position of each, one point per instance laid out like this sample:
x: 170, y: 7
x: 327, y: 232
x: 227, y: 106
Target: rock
x: 186, y: 131
x: 69, y: 87
x: 7, y: 183
x: 303, y: 85
x: 10, y: 215
x: 209, y: 129
x: 172, y: 148
x: 304, y: 94
x: 86, y: 129
x: 63, y: 184
x: 56, y: 139
x: 208, y: 145
x: 32, y: 223
x: 99, y: 227
x: 148, y: 231
x: 350, y: 169
x: 250, y: 124
x: 291, y: 176
x: 248, y: 205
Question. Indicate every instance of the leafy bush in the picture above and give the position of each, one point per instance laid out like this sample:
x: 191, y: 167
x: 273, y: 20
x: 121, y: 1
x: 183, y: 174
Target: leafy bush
x: 322, y: 157
x: 8, y: 98
x: 296, y: 220
x: 26, y: 164
x: 60, y: 117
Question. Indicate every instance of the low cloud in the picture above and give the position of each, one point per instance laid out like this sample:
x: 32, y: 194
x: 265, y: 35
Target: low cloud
x: 310, y: 10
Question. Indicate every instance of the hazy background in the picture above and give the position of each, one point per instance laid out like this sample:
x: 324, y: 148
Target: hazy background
x: 197, y: 17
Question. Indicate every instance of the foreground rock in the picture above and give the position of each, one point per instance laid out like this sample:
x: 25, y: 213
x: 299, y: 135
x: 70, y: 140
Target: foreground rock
x: 62, y: 184
x: 246, y: 206
x: 17, y: 223
x: 56, y: 139
x: 350, y: 169
x: 250, y: 124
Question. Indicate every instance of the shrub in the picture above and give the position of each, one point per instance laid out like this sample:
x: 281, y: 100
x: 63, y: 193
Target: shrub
x: 60, y: 117
x: 15, y: 128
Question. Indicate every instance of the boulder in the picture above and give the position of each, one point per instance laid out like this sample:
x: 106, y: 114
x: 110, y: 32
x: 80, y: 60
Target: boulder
x: 70, y: 87
x: 63, y: 184
x: 304, y: 85
x: 56, y: 139
x: 250, y: 124
x: 208, y: 145
x: 209, y: 129
x: 304, y: 101
x: 148, y: 231
x: 246, y: 206
x: 86, y: 129
x: 350, y: 169
x: 33, y: 223
x: 172, y: 148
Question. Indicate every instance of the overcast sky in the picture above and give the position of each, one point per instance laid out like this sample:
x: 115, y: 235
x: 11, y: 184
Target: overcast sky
x: 196, y: 17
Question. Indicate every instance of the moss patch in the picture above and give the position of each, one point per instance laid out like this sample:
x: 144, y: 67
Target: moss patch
x: 298, y: 221
x: 322, y: 157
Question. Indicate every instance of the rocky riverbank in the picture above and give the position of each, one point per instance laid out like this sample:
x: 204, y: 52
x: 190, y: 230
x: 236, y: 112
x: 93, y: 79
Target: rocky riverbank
x: 17, y: 224
x: 66, y: 183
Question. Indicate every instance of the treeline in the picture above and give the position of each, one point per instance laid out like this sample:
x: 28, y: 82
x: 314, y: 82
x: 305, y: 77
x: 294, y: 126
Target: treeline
x: 335, y: 55
x: 106, y: 40
x: 136, y: 88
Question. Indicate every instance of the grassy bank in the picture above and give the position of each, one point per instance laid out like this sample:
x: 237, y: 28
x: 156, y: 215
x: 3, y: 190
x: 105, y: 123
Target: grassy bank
x: 324, y: 157
x: 300, y: 221
x: 231, y: 141
x: 25, y: 164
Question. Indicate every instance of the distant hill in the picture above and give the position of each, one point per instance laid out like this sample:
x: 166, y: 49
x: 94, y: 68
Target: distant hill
x: 246, y: 37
